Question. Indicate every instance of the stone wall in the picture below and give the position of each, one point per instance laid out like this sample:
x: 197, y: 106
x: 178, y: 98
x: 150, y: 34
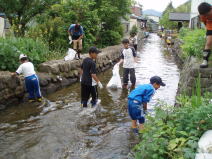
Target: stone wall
x: 53, y: 75
x: 190, y: 72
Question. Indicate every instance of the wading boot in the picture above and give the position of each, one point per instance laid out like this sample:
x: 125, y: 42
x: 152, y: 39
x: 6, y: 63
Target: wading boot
x: 124, y: 86
x: 132, y: 87
x: 206, y: 55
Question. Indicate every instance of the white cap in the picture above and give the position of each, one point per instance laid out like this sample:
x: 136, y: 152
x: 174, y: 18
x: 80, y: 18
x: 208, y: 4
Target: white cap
x: 22, y: 56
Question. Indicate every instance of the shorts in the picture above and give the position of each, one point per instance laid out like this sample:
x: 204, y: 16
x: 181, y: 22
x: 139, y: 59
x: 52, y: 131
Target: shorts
x: 209, y: 33
x: 135, y: 110
x: 75, y: 37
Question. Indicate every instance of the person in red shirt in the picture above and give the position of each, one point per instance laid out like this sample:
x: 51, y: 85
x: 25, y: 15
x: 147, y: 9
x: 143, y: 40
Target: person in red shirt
x: 205, y: 11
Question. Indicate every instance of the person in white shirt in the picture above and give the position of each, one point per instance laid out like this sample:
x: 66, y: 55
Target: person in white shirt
x: 31, y: 80
x: 128, y: 58
x: 133, y: 41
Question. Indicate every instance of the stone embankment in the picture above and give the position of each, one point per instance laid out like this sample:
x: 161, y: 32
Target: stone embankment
x: 53, y: 75
x: 190, y: 72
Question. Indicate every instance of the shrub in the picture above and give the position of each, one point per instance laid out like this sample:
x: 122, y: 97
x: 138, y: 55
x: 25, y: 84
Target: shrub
x: 174, y: 132
x: 193, y: 42
x: 110, y: 38
x: 11, y: 48
x: 134, y: 30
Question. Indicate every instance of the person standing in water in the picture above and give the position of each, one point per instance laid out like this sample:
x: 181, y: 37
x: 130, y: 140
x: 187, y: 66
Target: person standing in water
x: 89, y: 80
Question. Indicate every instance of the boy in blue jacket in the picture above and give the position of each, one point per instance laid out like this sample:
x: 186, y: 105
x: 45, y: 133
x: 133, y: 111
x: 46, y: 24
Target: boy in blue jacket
x: 138, y: 99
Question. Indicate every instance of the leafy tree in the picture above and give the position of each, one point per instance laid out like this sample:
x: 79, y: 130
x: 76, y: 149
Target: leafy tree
x: 184, y: 8
x: 52, y: 25
x: 134, y: 30
x: 21, y: 12
x: 164, y: 21
x: 101, y: 20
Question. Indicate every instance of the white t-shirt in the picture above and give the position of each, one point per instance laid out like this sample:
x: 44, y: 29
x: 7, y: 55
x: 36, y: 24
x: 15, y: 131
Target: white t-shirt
x: 128, y: 55
x: 136, y: 40
x: 27, y: 69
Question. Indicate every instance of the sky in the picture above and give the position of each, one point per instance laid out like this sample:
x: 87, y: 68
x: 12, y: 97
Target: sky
x: 159, y: 5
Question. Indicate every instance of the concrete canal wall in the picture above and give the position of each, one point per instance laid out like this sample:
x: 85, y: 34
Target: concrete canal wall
x: 53, y: 75
x: 190, y: 72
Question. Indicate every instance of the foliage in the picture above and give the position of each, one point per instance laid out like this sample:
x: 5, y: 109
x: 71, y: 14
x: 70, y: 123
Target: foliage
x: 184, y: 8
x: 99, y: 18
x: 164, y: 21
x: 193, y: 41
x: 20, y: 12
x: 174, y: 131
x: 11, y: 48
x: 134, y: 30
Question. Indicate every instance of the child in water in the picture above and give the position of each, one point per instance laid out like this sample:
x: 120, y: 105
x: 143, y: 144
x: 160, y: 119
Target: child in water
x: 138, y: 99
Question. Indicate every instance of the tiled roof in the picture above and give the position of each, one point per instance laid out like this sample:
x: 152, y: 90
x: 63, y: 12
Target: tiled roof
x: 179, y: 16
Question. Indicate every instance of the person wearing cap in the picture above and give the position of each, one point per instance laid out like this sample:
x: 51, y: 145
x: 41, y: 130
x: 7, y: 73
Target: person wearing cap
x: 76, y: 33
x: 138, y: 99
x: 31, y: 80
x: 128, y: 58
x: 89, y: 80
x: 205, y: 11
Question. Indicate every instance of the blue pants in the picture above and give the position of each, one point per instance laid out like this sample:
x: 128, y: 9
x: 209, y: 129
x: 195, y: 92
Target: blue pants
x: 135, y: 110
x: 33, y: 87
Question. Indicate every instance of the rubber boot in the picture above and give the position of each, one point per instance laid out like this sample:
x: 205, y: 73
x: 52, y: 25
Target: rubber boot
x: 79, y: 52
x: 132, y: 87
x: 76, y: 56
x: 206, y: 55
x: 124, y: 86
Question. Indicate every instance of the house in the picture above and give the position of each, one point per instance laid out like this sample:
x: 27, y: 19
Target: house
x: 154, y: 18
x: 4, y: 25
x: 194, y: 18
x: 135, y: 18
x: 180, y: 18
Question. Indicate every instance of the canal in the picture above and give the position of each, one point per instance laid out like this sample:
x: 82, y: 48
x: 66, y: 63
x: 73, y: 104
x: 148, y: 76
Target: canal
x: 62, y: 130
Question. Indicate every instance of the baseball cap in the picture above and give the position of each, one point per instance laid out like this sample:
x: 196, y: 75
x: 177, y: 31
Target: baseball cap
x: 22, y: 56
x: 158, y: 80
x: 93, y: 49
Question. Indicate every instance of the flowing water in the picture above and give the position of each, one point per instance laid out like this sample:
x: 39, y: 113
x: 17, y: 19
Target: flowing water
x: 62, y: 130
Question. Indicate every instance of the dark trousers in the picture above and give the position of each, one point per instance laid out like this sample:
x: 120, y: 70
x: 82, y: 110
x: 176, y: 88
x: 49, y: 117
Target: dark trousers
x: 135, y: 47
x: 86, y: 91
x: 127, y: 72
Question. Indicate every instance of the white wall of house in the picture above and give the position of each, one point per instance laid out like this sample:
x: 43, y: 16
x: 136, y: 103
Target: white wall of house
x: 155, y: 18
x: 2, y: 27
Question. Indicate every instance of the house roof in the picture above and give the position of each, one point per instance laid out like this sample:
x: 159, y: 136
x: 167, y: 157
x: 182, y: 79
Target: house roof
x: 179, y: 16
x: 2, y: 15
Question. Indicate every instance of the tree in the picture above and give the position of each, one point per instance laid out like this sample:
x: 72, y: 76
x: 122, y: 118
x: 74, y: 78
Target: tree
x: 21, y: 12
x: 101, y: 20
x: 164, y: 21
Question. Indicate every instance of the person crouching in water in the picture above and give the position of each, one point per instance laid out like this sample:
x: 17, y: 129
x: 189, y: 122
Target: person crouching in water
x: 31, y: 80
x: 89, y: 80
x: 138, y: 99
x: 128, y: 58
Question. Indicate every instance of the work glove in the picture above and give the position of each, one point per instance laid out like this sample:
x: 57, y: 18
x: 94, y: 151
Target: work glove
x: 70, y: 39
x: 100, y: 85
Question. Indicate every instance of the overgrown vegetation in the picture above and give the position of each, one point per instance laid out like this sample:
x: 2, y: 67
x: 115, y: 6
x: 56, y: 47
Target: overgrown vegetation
x: 37, y: 50
x: 173, y: 132
x: 193, y: 42
x: 134, y: 30
x: 46, y: 24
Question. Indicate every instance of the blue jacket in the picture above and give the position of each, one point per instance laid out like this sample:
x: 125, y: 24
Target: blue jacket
x: 79, y: 33
x: 142, y: 93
